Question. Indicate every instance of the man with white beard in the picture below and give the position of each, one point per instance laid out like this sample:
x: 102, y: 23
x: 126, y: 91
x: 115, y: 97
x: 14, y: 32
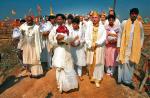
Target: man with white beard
x: 31, y: 45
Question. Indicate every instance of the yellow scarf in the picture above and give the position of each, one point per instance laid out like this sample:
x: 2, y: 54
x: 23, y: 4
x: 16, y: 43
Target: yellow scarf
x: 136, y: 43
x: 94, y: 34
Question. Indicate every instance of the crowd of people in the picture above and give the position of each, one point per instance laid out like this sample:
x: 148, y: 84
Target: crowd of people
x: 97, y: 42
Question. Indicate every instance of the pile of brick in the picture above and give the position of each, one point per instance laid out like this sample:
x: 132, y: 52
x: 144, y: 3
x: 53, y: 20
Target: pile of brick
x: 147, y: 29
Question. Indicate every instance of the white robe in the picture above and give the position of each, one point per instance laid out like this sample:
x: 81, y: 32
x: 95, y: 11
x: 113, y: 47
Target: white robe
x: 62, y: 61
x: 83, y: 25
x: 31, y: 45
x: 78, y: 53
x: 69, y: 26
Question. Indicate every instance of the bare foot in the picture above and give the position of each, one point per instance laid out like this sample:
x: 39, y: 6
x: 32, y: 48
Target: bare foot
x: 97, y: 84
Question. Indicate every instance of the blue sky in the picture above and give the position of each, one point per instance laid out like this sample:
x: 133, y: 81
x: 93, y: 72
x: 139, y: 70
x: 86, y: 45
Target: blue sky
x: 72, y: 6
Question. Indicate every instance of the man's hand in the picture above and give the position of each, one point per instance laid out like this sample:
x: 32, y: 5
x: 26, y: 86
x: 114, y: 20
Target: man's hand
x: 110, y: 34
x: 76, y: 38
x: 73, y: 44
x: 93, y: 47
x: 118, y: 49
x: 45, y: 34
x: 142, y: 48
x: 113, y: 41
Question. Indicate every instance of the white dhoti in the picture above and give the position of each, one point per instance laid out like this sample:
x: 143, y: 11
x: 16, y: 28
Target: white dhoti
x: 125, y: 71
x: 65, y: 73
x: 98, y: 72
x: 96, y: 64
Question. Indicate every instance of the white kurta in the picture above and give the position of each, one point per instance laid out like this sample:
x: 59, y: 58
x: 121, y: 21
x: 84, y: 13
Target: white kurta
x: 62, y: 61
x: 78, y: 53
x: 31, y: 46
x: 104, y: 23
x: 69, y: 26
x: 83, y: 25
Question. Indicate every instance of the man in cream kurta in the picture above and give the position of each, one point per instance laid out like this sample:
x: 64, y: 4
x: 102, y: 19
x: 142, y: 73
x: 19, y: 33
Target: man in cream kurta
x: 95, y: 37
x: 31, y: 46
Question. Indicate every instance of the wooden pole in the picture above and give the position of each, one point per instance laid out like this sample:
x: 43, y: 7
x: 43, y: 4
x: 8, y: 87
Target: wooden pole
x: 114, y: 6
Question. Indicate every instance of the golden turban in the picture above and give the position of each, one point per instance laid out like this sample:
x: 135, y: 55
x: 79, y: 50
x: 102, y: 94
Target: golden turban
x: 95, y: 13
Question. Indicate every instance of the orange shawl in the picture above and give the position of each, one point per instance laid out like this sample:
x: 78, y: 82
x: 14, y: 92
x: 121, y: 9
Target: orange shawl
x: 136, y: 44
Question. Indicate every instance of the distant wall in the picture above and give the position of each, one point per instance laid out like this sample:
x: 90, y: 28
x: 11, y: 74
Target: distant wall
x: 5, y: 29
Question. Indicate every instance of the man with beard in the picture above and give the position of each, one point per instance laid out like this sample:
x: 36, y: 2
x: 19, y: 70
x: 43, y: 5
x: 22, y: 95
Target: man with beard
x: 31, y: 46
x: 130, y: 48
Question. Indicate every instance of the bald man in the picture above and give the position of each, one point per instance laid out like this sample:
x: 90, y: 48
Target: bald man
x: 95, y: 37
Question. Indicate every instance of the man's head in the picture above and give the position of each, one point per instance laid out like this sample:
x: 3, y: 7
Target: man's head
x: 103, y: 16
x: 81, y: 18
x: 75, y: 23
x: 46, y: 18
x: 95, y: 18
x: 36, y: 20
x: 112, y: 12
x: 52, y: 19
x: 16, y: 23
x: 70, y: 18
x: 111, y: 19
x: 29, y: 20
x: 90, y: 14
x: 134, y: 13
x: 86, y: 18
x: 22, y: 21
x: 60, y: 19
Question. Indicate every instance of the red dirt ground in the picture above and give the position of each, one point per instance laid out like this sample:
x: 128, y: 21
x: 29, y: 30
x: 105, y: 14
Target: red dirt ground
x: 45, y: 87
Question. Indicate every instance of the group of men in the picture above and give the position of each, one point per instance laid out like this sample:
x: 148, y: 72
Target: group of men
x: 69, y: 44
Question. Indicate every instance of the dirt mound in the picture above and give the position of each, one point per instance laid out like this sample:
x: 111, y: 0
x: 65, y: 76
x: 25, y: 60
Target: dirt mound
x: 46, y: 88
